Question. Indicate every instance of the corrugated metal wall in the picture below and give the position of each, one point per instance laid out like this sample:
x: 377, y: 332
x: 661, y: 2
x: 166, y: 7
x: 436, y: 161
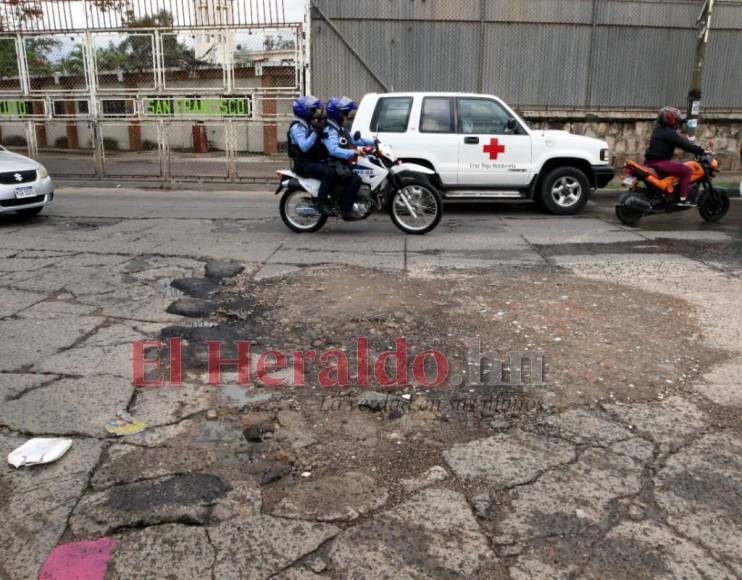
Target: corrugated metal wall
x: 561, y: 54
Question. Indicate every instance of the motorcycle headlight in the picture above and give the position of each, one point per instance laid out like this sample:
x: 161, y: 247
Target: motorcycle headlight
x: 43, y: 173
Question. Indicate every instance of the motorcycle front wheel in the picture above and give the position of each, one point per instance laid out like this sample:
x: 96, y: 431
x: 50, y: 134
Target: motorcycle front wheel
x: 416, y: 208
x: 712, y: 210
x: 298, y: 212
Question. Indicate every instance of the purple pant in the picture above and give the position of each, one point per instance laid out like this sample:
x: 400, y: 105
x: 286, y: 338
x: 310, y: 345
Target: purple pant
x: 667, y: 167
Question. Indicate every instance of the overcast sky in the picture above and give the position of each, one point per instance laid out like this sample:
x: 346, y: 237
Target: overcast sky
x: 295, y: 9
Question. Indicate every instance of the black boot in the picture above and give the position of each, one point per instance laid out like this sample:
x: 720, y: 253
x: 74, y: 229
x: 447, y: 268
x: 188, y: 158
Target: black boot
x: 323, y: 207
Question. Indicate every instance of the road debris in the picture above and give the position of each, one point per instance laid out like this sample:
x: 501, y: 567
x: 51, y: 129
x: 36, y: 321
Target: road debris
x: 87, y: 559
x: 124, y: 424
x: 39, y: 450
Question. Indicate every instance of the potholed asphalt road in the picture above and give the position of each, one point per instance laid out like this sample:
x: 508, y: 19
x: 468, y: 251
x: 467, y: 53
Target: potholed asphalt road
x: 622, y: 460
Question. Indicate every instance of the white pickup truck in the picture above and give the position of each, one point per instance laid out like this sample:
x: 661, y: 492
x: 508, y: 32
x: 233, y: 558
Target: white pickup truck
x: 480, y: 148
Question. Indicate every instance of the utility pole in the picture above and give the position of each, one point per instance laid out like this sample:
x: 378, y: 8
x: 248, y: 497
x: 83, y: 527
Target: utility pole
x: 703, y: 23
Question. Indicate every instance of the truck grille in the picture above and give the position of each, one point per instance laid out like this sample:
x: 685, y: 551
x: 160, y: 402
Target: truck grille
x: 11, y: 177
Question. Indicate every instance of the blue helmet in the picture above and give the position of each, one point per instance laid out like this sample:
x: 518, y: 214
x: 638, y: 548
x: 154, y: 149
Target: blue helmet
x: 305, y: 107
x: 340, y: 107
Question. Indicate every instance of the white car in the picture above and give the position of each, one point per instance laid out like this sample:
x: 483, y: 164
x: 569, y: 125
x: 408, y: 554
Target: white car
x: 480, y: 148
x: 25, y: 185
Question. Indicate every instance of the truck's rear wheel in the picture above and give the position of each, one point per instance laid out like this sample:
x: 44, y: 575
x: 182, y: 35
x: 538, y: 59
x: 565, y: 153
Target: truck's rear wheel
x: 564, y: 191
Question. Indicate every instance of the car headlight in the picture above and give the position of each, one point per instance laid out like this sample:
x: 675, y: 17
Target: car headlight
x: 605, y: 155
x: 43, y: 173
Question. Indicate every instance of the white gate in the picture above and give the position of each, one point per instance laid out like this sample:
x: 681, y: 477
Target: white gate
x: 166, y: 90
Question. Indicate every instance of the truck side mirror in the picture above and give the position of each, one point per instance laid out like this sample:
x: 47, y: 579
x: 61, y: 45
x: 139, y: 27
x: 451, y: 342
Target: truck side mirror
x: 512, y: 126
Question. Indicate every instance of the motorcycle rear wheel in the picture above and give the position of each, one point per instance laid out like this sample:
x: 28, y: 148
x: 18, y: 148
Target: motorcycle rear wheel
x: 628, y: 216
x: 712, y: 211
x: 290, y: 201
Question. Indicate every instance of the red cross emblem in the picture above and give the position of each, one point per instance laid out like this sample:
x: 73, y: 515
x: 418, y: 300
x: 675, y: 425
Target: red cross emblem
x: 494, y: 148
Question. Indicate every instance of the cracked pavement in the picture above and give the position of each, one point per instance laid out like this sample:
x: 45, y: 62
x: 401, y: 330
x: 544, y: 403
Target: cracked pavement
x: 625, y: 463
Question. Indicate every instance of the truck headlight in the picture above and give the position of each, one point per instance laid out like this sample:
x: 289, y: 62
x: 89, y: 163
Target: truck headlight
x: 42, y: 172
x: 605, y: 155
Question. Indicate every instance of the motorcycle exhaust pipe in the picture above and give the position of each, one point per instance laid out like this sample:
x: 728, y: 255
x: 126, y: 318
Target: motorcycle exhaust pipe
x: 638, y: 203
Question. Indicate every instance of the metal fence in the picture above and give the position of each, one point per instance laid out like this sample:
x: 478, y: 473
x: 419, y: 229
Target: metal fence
x: 535, y: 54
x: 178, y: 90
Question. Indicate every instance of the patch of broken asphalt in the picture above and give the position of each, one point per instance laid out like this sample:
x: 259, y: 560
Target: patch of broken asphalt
x: 614, y: 467
x: 568, y: 472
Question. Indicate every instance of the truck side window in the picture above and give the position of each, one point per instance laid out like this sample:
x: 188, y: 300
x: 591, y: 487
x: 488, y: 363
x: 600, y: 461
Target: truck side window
x: 391, y: 115
x: 483, y: 117
x: 437, y: 115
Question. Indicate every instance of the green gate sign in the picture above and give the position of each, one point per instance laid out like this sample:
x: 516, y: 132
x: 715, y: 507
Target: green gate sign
x: 22, y: 108
x: 13, y: 108
x: 197, y: 107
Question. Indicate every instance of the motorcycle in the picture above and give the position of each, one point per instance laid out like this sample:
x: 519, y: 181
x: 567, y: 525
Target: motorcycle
x: 649, y: 194
x: 403, y: 190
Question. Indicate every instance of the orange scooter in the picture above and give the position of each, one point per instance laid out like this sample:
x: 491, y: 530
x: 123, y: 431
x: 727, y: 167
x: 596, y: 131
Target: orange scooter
x: 649, y: 193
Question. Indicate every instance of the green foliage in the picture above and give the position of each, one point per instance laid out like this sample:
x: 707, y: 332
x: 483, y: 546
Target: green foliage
x: 134, y: 53
x: 278, y: 43
x: 15, y: 141
x: 110, y: 144
x: 8, y: 59
x: 37, y: 54
x: 73, y: 63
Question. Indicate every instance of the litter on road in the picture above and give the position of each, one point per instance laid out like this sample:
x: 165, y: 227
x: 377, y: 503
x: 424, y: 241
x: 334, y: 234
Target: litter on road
x: 38, y: 451
x: 124, y: 424
x: 86, y: 560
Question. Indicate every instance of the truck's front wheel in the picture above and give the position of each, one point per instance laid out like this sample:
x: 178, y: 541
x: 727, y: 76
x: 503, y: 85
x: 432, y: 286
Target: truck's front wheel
x: 564, y: 191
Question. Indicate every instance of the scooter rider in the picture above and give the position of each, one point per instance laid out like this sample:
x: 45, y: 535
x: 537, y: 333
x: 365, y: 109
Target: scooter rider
x: 308, y: 155
x: 343, y: 149
x: 662, y: 144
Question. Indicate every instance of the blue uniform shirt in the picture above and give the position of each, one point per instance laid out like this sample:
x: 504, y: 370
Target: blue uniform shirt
x: 331, y: 141
x: 302, y: 135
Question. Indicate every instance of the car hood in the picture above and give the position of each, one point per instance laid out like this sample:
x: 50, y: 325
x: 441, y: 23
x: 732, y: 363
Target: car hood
x: 14, y: 162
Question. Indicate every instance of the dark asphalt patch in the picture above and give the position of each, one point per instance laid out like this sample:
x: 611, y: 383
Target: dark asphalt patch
x: 220, y: 270
x: 191, y: 308
x: 195, y: 488
x: 195, y: 287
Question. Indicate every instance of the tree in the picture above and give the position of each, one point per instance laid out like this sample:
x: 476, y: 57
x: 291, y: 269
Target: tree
x: 8, y: 58
x: 134, y: 53
x: 73, y: 63
x: 37, y: 54
x: 272, y: 43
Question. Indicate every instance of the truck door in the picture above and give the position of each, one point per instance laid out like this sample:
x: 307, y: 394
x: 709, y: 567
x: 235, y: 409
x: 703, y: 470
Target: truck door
x: 494, y: 149
x: 436, y: 136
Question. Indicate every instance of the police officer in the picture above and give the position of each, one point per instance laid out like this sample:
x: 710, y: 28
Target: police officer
x: 306, y: 151
x: 343, y: 150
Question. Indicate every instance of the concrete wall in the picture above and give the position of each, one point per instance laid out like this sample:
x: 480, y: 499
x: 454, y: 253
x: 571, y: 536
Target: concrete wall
x: 628, y: 135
